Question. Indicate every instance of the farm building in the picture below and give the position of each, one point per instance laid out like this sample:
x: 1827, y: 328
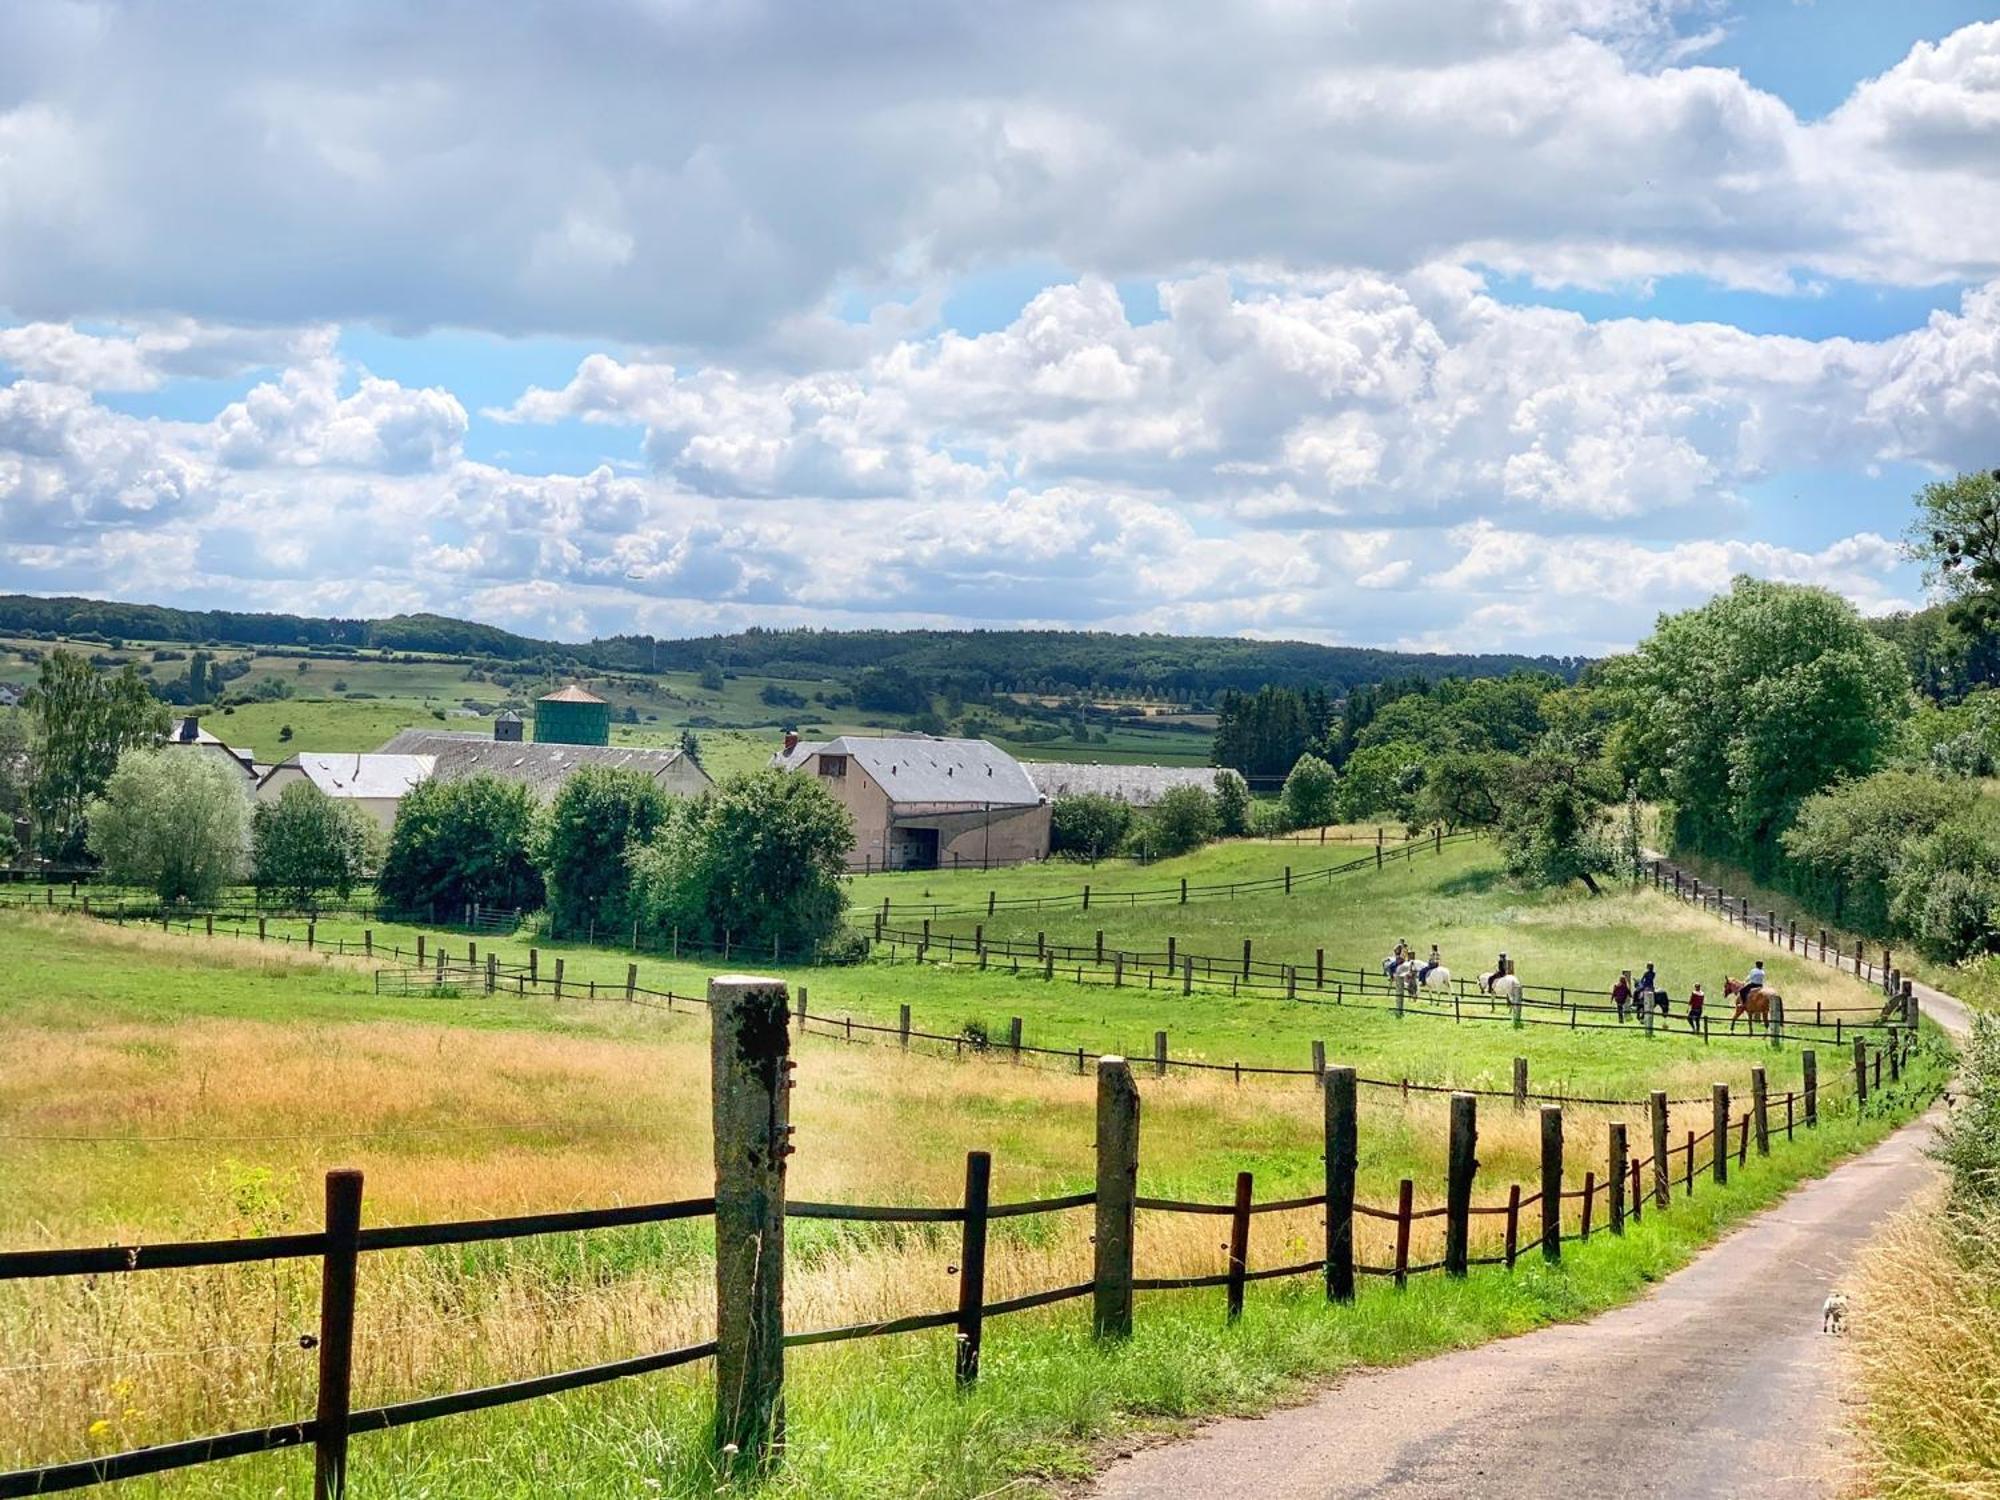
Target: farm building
x: 1140, y: 786
x: 543, y: 767
x: 373, y: 783
x: 920, y: 803
x: 572, y: 716
x: 187, y: 732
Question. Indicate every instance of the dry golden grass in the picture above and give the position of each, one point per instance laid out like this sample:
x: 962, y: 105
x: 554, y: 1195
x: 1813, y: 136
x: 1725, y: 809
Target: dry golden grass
x: 456, y: 1122
x: 1925, y: 1351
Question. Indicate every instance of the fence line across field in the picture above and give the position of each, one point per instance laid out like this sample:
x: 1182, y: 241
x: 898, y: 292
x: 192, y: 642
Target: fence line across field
x: 752, y: 1020
x: 1310, y: 983
x: 1183, y: 892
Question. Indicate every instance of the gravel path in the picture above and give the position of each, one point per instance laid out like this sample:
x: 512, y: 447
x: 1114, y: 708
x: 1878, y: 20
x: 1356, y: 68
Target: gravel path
x: 1717, y: 1383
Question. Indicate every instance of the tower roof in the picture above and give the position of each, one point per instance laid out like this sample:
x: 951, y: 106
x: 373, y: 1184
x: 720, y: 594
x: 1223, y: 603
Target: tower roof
x: 570, y: 694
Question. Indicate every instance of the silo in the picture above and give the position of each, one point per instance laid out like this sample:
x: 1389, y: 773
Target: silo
x: 571, y: 716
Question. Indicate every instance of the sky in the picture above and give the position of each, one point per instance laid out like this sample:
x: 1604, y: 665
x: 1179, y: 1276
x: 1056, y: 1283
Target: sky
x: 1468, y: 325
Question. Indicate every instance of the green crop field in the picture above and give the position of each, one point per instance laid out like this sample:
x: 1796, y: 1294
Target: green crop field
x: 160, y: 1086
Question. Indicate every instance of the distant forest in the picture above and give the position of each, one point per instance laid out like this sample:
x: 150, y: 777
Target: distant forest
x: 1196, y: 668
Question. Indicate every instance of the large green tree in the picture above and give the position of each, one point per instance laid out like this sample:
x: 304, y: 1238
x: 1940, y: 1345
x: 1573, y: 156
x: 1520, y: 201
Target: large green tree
x: 460, y: 842
x: 1088, y: 825
x: 174, y: 821
x: 1311, y: 798
x: 1752, y: 703
x: 84, y: 721
x: 1956, y: 536
x: 598, y: 818
x: 758, y: 861
x: 1552, y: 827
x: 305, y: 844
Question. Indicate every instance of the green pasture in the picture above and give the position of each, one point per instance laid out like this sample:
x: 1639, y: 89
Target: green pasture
x: 880, y: 1418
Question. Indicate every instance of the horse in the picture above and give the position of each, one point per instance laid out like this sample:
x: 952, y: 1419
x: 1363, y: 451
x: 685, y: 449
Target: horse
x: 1502, y: 986
x: 1409, y: 975
x: 1754, y: 1002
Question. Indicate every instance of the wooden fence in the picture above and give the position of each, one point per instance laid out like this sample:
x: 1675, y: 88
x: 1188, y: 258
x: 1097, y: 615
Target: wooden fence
x: 751, y: 1072
x: 1180, y: 893
x: 1174, y: 969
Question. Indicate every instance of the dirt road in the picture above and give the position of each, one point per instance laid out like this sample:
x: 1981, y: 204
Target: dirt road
x: 1718, y: 1383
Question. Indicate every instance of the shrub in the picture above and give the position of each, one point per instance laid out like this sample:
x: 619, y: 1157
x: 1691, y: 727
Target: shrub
x: 598, y: 818
x: 175, y: 821
x: 458, y: 842
x: 1088, y: 825
x: 1311, y: 795
x: 306, y: 843
x: 1182, y: 820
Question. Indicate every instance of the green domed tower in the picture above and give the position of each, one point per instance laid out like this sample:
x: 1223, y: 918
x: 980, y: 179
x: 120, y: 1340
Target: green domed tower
x: 571, y: 716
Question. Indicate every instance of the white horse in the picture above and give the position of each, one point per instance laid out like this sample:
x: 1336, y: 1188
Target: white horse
x: 1502, y: 987
x: 1409, y: 975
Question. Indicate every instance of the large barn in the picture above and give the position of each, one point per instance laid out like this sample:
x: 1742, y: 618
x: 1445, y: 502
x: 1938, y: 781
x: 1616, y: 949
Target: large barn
x: 920, y: 803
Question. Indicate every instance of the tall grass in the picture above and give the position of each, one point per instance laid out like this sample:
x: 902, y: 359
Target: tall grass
x: 1927, y: 1306
x: 177, y: 1088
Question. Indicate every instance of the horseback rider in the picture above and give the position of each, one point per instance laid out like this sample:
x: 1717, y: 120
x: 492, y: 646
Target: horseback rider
x: 1424, y: 973
x: 1753, y: 981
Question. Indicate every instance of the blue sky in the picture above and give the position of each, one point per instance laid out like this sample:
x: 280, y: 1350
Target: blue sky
x: 1468, y: 327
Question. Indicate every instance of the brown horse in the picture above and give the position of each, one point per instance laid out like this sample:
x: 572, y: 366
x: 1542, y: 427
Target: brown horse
x: 1754, y: 1002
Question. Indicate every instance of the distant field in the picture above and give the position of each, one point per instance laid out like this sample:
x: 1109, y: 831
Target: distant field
x: 339, y: 703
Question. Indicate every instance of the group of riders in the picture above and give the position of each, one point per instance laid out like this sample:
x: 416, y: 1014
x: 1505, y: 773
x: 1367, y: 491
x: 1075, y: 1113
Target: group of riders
x: 1641, y: 998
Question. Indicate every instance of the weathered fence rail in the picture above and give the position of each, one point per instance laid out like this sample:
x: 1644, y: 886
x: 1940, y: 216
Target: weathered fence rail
x: 752, y: 1023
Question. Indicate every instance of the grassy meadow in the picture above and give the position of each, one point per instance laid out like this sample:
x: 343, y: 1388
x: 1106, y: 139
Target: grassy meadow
x: 165, y: 1087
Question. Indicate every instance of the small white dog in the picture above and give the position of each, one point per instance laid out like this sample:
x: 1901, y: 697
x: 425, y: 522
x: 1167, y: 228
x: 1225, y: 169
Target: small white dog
x: 1833, y: 1314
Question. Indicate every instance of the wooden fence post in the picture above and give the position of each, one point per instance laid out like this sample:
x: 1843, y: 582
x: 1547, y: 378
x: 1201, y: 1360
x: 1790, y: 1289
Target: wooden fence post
x: 492, y: 970
x: 1342, y: 1161
x: 903, y: 1026
x: 1777, y: 1024
x: 1159, y: 1054
x: 972, y: 1264
x: 1662, y: 1171
x: 1719, y: 1122
x: 1187, y: 976
x: 1319, y: 1060
x: 1460, y: 1165
x: 1239, y: 1244
x: 559, y: 978
x: 1760, y: 1110
x: 1117, y: 1187
x: 534, y: 959
x: 1520, y: 1083
x: 750, y: 1062
x: 336, y: 1333
x: 1615, y: 1176
x: 631, y: 980
x: 1513, y: 1222
x: 1809, y: 1060
x: 1014, y: 1037
x: 1552, y: 1181
x: 1860, y: 1072
x: 1246, y: 958
x: 1406, y: 1192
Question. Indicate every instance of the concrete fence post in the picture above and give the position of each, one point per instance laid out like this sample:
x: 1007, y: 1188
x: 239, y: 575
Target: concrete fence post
x: 750, y: 1063
x: 1461, y: 1163
x: 1719, y: 1123
x: 1662, y: 1170
x: 1618, y: 1169
x: 1760, y: 1110
x: 1552, y: 1181
x: 1342, y: 1160
x: 1117, y: 1188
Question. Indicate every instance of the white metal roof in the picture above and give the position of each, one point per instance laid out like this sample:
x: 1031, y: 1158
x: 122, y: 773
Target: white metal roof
x: 363, y: 775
